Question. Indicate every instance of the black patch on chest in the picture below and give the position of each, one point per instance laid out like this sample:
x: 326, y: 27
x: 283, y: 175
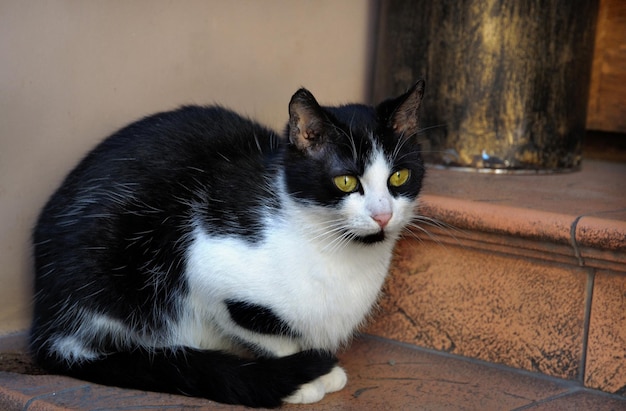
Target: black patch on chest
x: 257, y: 318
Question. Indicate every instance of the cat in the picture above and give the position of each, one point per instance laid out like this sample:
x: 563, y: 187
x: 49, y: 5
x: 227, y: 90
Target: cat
x: 197, y: 252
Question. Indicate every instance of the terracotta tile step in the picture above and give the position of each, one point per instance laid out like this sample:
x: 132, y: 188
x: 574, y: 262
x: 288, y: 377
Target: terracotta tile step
x: 526, y: 271
x: 576, y: 218
x: 383, y: 375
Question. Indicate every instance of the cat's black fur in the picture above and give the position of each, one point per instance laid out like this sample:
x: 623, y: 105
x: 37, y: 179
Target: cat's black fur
x: 112, y: 243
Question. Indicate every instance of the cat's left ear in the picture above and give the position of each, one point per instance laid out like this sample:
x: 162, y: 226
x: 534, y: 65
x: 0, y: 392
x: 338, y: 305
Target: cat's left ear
x: 307, y: 121
x: 403, y: 119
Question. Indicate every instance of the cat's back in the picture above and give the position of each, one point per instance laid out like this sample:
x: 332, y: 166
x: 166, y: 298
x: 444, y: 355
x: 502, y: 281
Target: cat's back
x: 181, y: 139
x: 168, y: 152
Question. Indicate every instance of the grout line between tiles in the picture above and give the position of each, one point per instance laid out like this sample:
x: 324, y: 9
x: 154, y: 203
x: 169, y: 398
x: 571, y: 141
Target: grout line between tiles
x: 50, y: 395
x: 574, y: 243
x: 547, y: 400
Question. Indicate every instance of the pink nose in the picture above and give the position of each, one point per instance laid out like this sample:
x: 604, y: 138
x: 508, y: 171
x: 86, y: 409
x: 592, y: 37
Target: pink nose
x: 382, y: 219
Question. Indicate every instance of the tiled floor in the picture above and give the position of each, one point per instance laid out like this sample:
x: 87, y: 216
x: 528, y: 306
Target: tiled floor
x: 383, y: 375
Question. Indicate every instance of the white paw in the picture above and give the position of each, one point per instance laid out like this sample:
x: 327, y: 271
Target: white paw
x: 307, y: 393
x: 335, y: 380
x: 315, y: 390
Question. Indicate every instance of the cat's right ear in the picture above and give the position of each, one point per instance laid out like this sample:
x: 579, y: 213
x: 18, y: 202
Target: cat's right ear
x: 405, y: 120
x: 401, y: 112
x: 307, y: 122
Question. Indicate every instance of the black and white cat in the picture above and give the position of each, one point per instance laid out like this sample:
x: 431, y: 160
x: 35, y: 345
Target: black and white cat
x: 197, y: 252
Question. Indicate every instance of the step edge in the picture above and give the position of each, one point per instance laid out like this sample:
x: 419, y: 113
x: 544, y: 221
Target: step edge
x: 582, y: 241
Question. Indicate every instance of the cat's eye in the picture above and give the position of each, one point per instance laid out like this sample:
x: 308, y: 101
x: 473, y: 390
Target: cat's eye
x: 400, y: 177
x: 346, y: 183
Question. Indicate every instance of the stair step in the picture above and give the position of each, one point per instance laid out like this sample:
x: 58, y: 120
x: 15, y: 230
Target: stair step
x: 527, y: 271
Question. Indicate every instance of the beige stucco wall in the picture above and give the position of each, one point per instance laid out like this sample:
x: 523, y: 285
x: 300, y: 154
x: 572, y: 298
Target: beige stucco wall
x: 73, y: 71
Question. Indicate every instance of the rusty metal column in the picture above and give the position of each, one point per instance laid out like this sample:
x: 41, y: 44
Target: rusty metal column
x: 507, y: 81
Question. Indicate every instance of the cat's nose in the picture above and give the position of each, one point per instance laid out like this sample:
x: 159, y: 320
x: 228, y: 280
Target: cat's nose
x: 382, y: 219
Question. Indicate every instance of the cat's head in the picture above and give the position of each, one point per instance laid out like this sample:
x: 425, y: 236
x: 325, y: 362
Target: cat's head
x: 358, y: 167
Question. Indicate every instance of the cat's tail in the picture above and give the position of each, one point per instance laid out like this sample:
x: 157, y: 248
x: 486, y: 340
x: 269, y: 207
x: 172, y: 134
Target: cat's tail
x: 215, y: 375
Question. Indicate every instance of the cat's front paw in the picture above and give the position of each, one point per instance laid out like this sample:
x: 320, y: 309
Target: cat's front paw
x: 315, y: 390
x: 307, y: 393
x: 335, y: 380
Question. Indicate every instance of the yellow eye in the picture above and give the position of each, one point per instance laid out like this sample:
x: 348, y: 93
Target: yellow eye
x: 399, y: 177
x: 347, y: 184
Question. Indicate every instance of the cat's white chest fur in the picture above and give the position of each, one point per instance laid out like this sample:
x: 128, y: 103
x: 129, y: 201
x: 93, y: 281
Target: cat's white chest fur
x: 321, y: 291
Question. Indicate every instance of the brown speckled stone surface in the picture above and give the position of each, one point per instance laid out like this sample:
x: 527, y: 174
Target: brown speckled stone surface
x: 496, y: 308
x: 606, y: 355
x: 565, y: 226
x: 602, y: 233
x: 483, y: 216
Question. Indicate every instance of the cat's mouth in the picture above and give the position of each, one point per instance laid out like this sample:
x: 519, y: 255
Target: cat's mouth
x: 371, y: 238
